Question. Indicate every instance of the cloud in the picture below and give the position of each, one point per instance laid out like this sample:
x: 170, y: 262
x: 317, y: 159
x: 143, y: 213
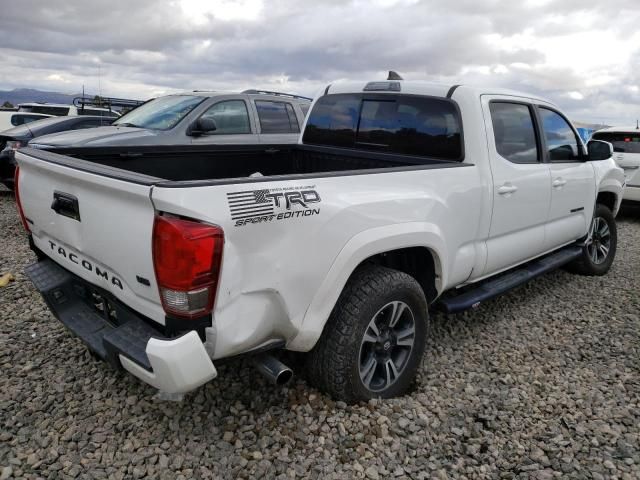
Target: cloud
x: 585, y: 58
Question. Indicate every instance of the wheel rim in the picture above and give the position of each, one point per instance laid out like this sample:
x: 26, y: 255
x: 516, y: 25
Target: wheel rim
x: 386, y: 346
x: 599, y: 243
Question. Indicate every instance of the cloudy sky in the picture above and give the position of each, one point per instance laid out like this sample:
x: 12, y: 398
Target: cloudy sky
x: 584, y: 55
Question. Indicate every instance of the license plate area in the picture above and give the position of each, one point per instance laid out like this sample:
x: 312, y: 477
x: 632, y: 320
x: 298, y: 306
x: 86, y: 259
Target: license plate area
x: 99, y: 302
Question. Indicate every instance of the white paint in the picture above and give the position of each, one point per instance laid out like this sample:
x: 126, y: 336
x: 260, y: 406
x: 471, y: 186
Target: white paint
x: 280, y: 279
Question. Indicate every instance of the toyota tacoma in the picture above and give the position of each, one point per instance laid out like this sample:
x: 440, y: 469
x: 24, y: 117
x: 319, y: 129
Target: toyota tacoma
x: 400, y: 198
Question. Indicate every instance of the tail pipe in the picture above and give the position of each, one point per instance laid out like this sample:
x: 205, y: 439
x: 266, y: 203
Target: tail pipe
x: 272, y: 368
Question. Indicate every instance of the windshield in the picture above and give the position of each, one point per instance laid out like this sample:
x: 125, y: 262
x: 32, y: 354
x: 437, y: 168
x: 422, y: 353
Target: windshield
x: 160, y: 114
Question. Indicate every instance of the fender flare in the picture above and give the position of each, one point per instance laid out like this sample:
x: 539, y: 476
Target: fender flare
x: 359, y: 248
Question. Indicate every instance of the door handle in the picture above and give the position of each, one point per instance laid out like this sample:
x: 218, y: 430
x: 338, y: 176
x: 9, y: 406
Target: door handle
x: 559, y: 182
x: 507, y: 189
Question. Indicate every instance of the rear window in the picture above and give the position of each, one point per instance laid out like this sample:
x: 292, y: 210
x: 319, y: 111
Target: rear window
x: 628, y: 142
x: 400, y: 124
x: 21, y: 119
x: 46, y: 109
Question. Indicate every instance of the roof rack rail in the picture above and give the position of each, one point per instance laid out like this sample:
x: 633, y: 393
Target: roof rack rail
x: 106, y: 102
x: 280, y: 94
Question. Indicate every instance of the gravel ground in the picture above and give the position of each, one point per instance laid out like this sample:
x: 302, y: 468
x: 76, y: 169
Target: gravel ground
x: 542, y: 383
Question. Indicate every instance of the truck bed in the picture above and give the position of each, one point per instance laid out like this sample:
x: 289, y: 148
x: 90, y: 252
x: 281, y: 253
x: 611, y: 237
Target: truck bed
x: 220, y: 162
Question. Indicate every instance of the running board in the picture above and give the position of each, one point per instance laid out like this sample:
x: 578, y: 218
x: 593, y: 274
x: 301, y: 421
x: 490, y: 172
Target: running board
x: 508, y: 281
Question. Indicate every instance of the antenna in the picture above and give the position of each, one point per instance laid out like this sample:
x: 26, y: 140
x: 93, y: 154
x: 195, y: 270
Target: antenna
x: 637, y: 125
x: 394, y: 76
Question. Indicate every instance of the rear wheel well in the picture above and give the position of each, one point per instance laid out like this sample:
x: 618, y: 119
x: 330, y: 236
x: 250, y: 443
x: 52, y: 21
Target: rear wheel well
x: 607, y: 199
x: 418, y: 262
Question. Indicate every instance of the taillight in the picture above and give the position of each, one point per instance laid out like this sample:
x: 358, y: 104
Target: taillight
x: 16, y: 190
x: 187, y: 256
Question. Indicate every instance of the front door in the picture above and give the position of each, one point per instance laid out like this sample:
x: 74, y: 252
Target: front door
x: 572, y: 181
x: 233, y: 125
x: 521, y: 183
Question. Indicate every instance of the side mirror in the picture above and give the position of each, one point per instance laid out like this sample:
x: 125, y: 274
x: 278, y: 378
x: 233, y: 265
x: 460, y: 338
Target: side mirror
x: 202, y: 126
x: 599, y: 150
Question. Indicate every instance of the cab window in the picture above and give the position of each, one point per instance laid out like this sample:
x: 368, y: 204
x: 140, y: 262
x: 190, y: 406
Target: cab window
x: 514, y: 132
x: 562, y: 141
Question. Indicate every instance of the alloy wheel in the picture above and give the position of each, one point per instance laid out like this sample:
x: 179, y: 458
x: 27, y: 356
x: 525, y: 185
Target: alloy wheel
x: 599, y: 242
x: 386, y: 346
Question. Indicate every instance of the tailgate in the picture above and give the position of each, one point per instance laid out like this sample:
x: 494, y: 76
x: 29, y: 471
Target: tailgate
x: 94, y: 221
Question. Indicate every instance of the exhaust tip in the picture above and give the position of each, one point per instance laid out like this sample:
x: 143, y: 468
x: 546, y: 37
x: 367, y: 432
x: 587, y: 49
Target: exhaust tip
x: 284, y: 377
x: 273, y: 369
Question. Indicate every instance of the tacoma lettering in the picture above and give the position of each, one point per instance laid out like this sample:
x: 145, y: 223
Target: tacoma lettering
x: 86, y: 264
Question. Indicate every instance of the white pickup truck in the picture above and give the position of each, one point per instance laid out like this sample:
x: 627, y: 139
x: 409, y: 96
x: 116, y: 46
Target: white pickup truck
x: 400, y: 196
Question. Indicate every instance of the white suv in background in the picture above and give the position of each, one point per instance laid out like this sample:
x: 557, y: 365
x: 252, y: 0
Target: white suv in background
x: 11, y: 118
x: 626, y: 147
x: 62, y: 110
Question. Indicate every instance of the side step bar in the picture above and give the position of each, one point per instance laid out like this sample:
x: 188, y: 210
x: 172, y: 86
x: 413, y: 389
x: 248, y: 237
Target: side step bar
x: 508, y: 281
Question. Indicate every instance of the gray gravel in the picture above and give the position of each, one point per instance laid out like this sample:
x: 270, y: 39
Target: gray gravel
x: 542, y: 383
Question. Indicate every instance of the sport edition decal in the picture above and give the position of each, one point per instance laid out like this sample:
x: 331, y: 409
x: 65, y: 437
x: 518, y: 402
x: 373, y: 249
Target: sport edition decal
x: 267, y: 205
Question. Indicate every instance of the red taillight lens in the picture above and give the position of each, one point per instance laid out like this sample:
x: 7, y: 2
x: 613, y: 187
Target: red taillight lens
x: 187, y: 256
x: 16, y: 190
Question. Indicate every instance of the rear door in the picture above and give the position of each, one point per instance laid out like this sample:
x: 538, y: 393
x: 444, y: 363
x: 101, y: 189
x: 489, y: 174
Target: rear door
x: 572, y: 180
x: 521, y: 183
x: 277, y: 121
x: 95, y: 223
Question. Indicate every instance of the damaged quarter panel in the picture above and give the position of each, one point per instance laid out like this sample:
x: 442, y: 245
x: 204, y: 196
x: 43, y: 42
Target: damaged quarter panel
x: 282, y: 238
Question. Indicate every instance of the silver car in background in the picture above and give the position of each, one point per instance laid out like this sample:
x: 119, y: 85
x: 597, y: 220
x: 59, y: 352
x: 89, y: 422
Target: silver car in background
x: 197, y: 118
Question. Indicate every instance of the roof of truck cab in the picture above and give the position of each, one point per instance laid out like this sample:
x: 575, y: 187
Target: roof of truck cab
x: 419, y: 87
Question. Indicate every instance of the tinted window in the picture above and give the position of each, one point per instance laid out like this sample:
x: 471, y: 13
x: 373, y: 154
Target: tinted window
x: 276, y: 117
x: 513, y: 131
x: 428, y: 127
x: 293, y: 119
x: 160, y: 114
x: 46, y: 109
x: 231, y: 117
x: 628, y: 142
x: 333, y: 121
x: 562, y: 143
x: 21, y: 119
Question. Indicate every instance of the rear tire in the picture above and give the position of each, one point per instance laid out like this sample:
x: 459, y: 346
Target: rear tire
x: 374, y: 339
x: 600, y: 247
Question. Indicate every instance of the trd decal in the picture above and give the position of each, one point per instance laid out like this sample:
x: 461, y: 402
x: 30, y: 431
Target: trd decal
x: 266, y: 205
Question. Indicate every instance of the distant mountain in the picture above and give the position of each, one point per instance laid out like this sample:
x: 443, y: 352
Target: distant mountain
x: 24, y: 95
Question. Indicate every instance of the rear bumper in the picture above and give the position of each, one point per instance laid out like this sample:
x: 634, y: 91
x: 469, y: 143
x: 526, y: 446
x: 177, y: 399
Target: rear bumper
x: 120, y: 336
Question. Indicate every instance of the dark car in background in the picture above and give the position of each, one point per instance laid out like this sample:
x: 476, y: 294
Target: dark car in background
x: 14, y: 138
